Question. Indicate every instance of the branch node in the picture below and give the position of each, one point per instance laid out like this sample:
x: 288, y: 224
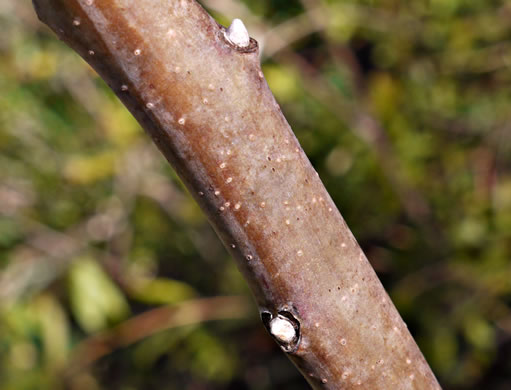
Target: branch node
x: 284, y: 328
x: 237, y: 34
x: 237, y: 37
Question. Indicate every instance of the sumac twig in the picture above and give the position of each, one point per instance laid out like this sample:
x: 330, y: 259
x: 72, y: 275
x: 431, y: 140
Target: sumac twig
x: 203, y: 99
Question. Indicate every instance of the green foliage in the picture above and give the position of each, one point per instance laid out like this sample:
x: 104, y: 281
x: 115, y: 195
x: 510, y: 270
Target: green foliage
x: 404, y: 109
x: 95, y: 301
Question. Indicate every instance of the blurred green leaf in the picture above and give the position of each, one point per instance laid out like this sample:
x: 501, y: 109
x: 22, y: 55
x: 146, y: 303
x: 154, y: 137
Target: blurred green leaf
x: 95, y: 300
x: 162, y: 291
x: 479, y: 332
x: 54, y: 330
x: 283, y: 82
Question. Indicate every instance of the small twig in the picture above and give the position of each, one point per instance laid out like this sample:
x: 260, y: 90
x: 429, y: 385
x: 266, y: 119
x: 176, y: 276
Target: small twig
x: 157, y: 320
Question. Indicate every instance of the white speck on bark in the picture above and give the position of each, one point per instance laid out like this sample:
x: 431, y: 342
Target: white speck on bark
x: 237, y: 34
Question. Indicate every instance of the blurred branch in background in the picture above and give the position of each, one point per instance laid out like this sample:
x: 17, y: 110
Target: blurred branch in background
x: 37, y: 262
x: 156, y: 320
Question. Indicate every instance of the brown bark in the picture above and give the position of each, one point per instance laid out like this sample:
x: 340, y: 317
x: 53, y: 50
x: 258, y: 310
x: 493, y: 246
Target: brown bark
x: 205, y: 103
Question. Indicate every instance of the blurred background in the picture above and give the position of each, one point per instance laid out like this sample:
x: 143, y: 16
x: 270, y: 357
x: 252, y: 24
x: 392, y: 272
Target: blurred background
x: 110, y: 276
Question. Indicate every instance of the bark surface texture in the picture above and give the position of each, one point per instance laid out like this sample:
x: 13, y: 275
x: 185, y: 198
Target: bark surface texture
x: 205, y: 103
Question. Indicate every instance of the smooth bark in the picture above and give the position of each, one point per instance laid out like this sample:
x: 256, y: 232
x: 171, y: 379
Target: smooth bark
x: 205, y: 103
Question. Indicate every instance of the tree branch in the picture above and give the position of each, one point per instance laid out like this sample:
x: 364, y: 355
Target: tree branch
x: 205, y: 103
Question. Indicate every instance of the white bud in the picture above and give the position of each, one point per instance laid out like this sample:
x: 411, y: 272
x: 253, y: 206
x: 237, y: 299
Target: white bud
x: 283, y: 330
x: 237, y: 34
